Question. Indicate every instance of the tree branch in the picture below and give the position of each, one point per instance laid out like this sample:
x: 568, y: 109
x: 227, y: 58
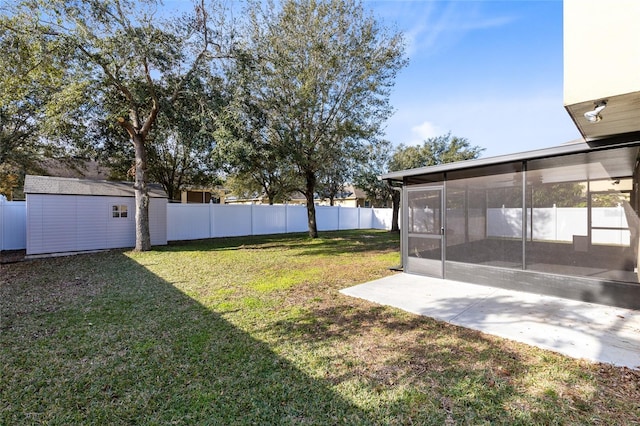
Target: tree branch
x: 127, y: 126
x: 155, y: 106
x: 202, y: 23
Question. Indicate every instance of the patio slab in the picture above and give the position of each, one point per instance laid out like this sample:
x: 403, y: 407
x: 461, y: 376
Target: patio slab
x: 578, y: 329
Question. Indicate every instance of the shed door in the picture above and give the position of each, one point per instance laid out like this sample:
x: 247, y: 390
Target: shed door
x: 423, y: 233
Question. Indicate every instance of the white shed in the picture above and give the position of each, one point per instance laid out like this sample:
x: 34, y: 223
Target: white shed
x: 71, y: 215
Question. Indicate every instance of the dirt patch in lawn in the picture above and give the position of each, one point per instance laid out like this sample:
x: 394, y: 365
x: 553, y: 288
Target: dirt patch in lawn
x: 12, y: 256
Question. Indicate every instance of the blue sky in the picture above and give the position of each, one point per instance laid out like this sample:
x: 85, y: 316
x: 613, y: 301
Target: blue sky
x: 489, y: 71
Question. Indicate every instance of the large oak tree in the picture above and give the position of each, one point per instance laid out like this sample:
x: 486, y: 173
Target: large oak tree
x: 180, y: 145
x: 126, y: 52
x: 33, y: 80
x: 319, y: 74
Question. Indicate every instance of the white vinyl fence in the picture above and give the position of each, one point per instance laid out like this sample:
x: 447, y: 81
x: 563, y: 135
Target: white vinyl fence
x: 198, y: 221
x: 561, y: 224
x: 13, y: 225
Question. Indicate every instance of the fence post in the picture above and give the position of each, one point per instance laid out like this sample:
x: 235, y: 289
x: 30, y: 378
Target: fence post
x: 555, y: 222
x: 286, y: 218
x: 210, y: 219
x: 1, y: 222
x: 621, y: 222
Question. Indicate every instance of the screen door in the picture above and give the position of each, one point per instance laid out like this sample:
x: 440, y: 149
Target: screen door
x: 424, y: 231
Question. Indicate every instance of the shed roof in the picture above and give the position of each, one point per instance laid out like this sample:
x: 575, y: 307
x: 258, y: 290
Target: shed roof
x: 72, y: 186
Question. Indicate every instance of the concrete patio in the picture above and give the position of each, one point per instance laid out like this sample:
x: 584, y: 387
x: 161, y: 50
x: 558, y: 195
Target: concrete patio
x: 577, y: 329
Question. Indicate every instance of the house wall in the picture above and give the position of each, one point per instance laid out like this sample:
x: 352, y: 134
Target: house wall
x: 601, y: 65
x: 601, y: 49
x: 69, y: 223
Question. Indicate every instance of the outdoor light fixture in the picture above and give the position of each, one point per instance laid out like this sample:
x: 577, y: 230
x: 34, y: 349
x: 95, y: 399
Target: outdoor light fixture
x: 594, y: 116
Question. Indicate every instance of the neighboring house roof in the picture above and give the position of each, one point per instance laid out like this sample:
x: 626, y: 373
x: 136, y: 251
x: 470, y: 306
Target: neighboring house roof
x: 351, y: 192
x: 348, y: 193
x: 75, y: 168
x: 234, y: 199
x: 72, y: 186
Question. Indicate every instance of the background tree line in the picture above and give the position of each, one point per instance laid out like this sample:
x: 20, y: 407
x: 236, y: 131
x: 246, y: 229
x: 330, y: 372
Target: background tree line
x: 291, y: 98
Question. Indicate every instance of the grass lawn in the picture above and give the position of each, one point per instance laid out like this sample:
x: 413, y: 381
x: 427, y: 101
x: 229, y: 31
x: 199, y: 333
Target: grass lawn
x: 253, y: 331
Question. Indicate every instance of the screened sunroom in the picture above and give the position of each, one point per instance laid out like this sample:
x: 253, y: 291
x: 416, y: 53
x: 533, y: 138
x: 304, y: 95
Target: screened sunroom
x: 561, y: 221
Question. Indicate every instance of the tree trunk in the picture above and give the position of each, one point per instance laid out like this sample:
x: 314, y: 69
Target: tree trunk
x: 395, y: 200
x: 311, y: 207
x: 143, y: 238
x: 169, y: 189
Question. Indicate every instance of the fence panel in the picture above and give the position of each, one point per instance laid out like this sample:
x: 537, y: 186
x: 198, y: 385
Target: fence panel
x: 544, y: 225
x: 297, y: 219
x: 366, y: 218
x: 349, y: 218
x: 569, y: 221
x: 188, y: 221
x: 327, y: 218
x: 269, y: 219
x: 13, y: 225
x: 231, y: 220
x: 381, y: 218
x: 504, y: 222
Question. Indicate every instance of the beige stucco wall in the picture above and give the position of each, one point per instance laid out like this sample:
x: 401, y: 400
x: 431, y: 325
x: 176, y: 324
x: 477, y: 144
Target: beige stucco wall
x: 601, y: 49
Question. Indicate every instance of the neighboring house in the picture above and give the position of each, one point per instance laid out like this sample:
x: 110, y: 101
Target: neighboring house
x: 68, y: 167
x: 257, y: 199
x: 71, y: 215
x: 195, y: 195
x: 561, y: 221
x: 349, y: 197
x: 93, y: 170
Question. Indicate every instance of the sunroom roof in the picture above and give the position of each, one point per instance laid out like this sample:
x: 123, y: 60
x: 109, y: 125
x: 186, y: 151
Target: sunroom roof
x: 575, y: 147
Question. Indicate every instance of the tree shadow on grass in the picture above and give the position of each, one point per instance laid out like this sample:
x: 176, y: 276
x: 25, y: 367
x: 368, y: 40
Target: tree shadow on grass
x: 328, y: 244
x: 476, y: 378
x: 89, y: 340
x: 461, y: 374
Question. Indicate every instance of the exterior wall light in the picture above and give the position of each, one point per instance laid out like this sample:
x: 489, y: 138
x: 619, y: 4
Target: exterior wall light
x: 594, y: 116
